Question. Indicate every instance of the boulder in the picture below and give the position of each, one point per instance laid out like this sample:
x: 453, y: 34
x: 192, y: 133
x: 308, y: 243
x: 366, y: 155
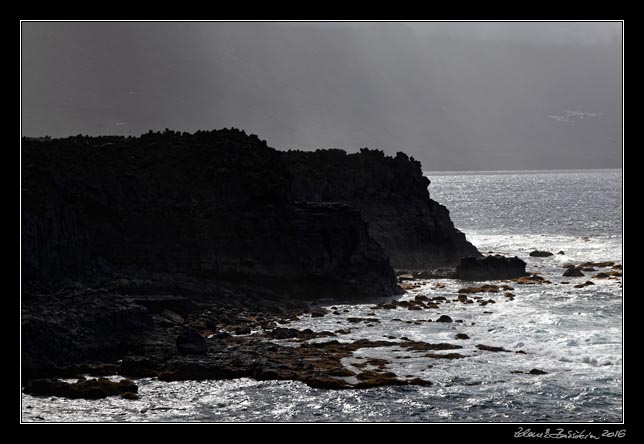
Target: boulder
x: 573, y: 272
x: 489, y: 268
x: 191, y: 342
x: 318, y: 313
x: 538, y: 253
x: 444, y: 318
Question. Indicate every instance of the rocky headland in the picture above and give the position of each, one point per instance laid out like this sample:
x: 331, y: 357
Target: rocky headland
x: 391, y: 193
x: 185, y: 256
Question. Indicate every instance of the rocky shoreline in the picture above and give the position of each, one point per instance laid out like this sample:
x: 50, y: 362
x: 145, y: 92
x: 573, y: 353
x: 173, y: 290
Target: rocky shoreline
x: 194, y: 336
x: 176, y: 337
x: 186, y: 256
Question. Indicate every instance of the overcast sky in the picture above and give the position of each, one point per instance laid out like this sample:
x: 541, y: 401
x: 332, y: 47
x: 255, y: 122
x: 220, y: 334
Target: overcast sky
x: 455, y: 95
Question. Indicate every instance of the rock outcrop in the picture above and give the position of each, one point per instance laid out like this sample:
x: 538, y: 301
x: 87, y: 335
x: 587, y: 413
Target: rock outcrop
x: 539, y: 253
x: 87, y: 389
x: 211, y: 204
x: 391, y: 193
x: 490, y: 268
x: 72, y: 326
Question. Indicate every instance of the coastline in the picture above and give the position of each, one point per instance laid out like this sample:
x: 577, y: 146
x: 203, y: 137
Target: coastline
x: 318, y: 331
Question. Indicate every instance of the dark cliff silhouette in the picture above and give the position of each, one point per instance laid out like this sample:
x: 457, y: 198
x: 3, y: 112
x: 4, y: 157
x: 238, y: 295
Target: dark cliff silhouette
x: 391, y: 193
x: 127, y: 240
x: 210, y: 204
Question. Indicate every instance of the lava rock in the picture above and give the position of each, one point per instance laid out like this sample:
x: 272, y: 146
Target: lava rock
x: 573, y: 272
x: 538, y: 253
x: 491, y: 348
x: 243, y: 330
x: 191, y: 342
x: 138, y: 366
x: 87, y: 389
x: 490, y: 268
x: 391, y: 194
x: 318, y: 313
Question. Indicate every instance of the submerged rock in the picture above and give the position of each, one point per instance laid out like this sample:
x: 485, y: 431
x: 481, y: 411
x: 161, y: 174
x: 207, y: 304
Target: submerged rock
x: 585, y: 284
x: 608, y: 274
x: 531, y: 280
x: 491, y: 348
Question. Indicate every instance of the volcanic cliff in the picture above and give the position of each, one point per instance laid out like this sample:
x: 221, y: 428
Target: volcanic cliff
x: 133, y: 246
x: 212, y: 204
x: 391, y: 193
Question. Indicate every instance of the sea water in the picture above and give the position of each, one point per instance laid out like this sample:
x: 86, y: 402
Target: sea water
x: 573, y: 334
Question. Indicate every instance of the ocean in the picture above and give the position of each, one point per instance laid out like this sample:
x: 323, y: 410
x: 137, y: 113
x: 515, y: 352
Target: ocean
x: 575, y: 335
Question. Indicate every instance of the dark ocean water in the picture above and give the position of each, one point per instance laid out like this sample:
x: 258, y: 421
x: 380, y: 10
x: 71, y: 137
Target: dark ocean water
x: 573, y: 334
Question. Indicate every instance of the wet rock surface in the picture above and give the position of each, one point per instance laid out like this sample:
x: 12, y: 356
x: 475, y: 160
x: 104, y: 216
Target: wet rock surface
x: 538, y: 253
x: 83, y: 388
x: 208, y: 343
x: 573, y: 272
x: 489, y: 268
x: 247, y: 333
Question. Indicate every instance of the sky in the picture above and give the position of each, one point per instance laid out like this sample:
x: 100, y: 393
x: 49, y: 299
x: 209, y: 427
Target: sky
x: 454, y: 95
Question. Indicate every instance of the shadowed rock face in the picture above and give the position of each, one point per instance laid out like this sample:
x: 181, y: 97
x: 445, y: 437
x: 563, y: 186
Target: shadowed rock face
x: 78, y: 325
x: 391, y: 193
x: 212, y: 204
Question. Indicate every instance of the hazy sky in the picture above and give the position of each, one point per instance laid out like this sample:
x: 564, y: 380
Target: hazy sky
x: 455, y: 95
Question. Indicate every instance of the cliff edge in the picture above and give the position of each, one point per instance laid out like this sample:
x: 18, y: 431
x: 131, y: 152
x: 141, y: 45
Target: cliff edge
x: 391, y: 193
x: 214, y: 204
